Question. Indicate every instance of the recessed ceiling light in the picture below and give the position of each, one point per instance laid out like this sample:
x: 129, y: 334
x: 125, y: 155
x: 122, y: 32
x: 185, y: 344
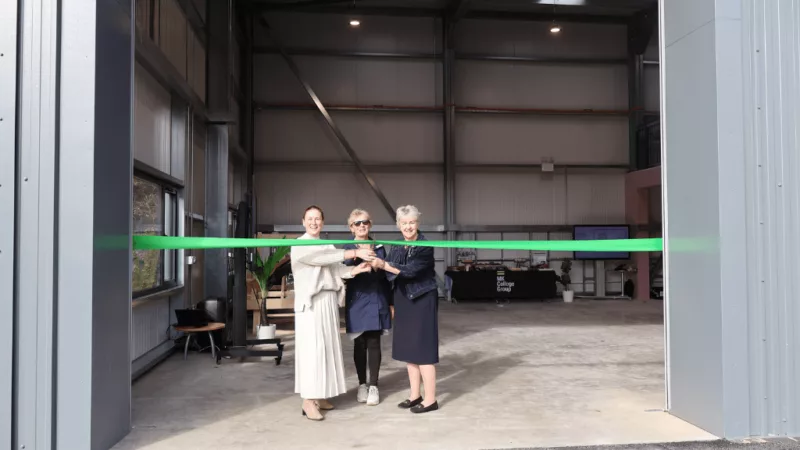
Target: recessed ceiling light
x: 562, y: 2
x: 355, y: 23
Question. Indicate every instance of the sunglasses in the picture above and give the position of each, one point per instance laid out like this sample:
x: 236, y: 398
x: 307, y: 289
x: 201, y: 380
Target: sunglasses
x: 358, y: 223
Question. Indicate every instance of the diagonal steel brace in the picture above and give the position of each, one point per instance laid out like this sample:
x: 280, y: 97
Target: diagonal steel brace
x: 342, y: 140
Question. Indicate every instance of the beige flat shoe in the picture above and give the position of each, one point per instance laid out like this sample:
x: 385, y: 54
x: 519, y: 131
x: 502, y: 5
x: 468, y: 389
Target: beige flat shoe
x: 325, y: 405
x: 312, y: 414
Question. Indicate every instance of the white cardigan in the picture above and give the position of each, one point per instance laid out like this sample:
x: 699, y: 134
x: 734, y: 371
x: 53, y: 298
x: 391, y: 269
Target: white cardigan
x: 317, y: 268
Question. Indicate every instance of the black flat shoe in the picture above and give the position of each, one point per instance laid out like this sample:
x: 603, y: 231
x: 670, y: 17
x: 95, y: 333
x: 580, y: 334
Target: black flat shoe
x: 419, y: 409
x: 406, y: 404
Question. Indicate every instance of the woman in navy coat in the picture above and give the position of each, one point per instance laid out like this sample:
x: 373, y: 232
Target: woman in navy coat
x: 368, y: 311
x: 416, y: 299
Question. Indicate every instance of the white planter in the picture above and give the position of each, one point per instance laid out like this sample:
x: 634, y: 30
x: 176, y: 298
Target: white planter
x: 568, y: 296
x: 266, y: 332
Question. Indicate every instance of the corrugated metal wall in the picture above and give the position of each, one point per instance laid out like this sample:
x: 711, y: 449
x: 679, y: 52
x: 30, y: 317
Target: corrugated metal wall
x: 376, y: 137
x: 732, y: 181
x: 772, y: 97
x: 482, y: 198
x: 289, y: 142
x: 151, y: 322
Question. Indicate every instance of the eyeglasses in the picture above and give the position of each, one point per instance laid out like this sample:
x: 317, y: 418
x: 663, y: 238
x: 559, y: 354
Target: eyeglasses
x: 358, y: 223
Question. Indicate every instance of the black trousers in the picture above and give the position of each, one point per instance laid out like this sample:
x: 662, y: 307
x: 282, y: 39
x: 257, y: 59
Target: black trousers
x: 367, y: 352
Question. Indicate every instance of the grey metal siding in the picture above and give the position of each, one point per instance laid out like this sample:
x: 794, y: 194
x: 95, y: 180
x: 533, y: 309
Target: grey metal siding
x: 8, y: 154
x: 772, y: 95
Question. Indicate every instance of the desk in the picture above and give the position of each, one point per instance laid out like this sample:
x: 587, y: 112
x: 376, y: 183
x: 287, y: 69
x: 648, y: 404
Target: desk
x: 210, y: 328
x: 499, y: 284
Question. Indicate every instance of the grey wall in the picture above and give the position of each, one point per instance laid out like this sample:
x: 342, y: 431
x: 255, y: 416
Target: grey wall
x: 730, y: 156
x: 699, y: 356
x: 496, y: 197
x: 72, y: 367
x: 8, y: 154
x: 772, y: 186
x: 299, y: 161
x: 35, y: 296
x: 376, y: 137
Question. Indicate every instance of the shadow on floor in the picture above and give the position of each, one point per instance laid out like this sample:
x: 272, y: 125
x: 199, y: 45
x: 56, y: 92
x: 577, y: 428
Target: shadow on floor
x: 456, y: 375
x: 565, y: 359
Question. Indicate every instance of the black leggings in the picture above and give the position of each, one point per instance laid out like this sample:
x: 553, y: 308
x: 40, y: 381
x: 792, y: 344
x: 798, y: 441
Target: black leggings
x: 368, y: 349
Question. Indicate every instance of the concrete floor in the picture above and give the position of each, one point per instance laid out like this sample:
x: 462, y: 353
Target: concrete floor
x: 753, y: 444
x: 512, y: 376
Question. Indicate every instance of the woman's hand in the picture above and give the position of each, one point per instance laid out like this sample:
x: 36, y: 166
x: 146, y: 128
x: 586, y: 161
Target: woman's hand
x: 380, y: 264
x: 361, y: 268
x: 391, y: 308
x: 365, y: 254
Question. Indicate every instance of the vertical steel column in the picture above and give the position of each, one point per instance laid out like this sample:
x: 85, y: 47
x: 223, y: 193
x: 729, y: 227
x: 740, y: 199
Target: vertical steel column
x: 220, y: 31
x: 8, y: 154
x: 216, y: 260
x: 640, y: 29
x: 249, y: 119
x: 448, y: 63
x: 33, y: 357
x: 635, y: 96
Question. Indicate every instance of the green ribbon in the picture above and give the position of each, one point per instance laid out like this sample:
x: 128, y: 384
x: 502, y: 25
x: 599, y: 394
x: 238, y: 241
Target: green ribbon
x: 203, y: 243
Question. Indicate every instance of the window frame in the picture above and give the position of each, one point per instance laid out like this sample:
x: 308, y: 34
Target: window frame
x: 168, y: 187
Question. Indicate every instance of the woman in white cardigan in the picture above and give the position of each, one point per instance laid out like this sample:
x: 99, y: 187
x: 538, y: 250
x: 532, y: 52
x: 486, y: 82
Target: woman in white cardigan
x: 319, y: 292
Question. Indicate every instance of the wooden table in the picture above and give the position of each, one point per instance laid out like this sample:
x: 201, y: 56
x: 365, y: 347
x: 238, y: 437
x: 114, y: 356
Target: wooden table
x: 210, y: 328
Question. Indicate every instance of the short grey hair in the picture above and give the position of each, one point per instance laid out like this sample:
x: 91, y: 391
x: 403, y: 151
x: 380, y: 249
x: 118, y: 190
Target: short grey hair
x: 355, y: 213
x: 407, y: 211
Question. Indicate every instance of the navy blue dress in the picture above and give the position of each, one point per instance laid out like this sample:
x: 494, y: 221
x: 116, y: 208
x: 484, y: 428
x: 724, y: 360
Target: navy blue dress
x: 367, y: 298
x: 416, y: 304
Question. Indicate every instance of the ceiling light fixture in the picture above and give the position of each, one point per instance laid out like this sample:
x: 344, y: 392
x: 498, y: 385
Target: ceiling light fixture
x: 555, y: 28
x: 355, y: 23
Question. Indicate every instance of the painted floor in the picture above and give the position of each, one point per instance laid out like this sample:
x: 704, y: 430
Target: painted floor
x: 521, y: 375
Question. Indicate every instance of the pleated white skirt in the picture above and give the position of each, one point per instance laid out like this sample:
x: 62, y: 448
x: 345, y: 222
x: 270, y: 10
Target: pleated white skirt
x: 318, y: 364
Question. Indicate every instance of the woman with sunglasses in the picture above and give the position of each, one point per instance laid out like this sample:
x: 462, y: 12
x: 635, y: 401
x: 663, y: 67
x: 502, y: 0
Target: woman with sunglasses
x: 368, y: 310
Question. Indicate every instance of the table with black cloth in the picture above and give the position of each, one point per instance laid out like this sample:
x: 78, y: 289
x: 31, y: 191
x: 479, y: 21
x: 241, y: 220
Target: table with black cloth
x: 503, y: 284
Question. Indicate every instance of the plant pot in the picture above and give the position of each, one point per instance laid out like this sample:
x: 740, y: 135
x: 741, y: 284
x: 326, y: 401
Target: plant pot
x: 568, y: 296
x: 266, y: 331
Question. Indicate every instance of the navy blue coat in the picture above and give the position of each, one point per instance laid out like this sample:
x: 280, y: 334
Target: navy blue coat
x: 416, y: 302
x: 417, y: 269
x: 367, y: 298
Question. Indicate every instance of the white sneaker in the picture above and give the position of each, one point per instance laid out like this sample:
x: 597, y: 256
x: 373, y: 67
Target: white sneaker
x: 363, y: 391
x: 374, y: 396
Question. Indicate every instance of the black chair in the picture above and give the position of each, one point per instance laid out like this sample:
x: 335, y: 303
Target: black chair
x: 217, y: 310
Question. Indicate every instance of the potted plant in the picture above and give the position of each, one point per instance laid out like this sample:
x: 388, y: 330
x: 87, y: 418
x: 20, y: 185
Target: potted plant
x: 565, y: 281
x: 262, y: 270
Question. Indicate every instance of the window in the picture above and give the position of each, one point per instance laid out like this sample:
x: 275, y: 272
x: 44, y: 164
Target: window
x: 154, y: 214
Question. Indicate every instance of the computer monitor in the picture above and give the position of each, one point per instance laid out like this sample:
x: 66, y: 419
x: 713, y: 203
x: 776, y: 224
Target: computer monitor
x: 599, y: 232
